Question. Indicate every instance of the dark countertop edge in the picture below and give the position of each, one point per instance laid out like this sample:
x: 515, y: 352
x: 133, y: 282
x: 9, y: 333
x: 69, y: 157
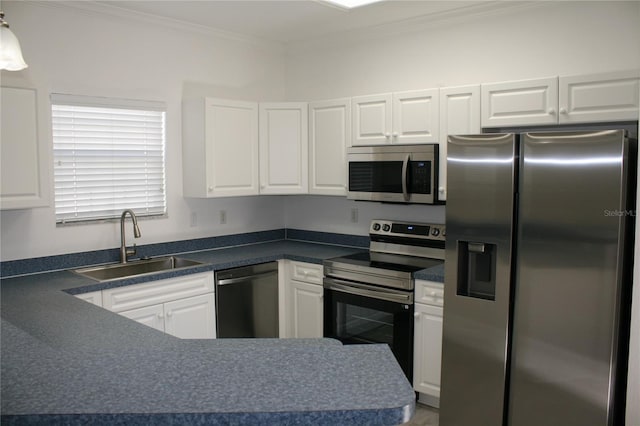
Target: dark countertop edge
x: 93, y: 285
x: 435, y: 274
x: 31, y: 266
x: 383, y: 416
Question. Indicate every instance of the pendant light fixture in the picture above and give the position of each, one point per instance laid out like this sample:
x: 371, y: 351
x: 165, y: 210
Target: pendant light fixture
x: 10, y: 53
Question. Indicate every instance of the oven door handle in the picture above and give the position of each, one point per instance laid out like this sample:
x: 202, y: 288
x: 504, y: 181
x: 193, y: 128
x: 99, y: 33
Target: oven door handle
x: 405, y: 167
x: 366, y: 291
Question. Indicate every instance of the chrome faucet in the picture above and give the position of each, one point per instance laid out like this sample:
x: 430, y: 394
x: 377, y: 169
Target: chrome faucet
x: 124, y: 251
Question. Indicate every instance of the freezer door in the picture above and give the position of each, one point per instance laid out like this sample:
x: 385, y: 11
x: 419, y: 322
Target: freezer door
x: 480, y: 206
x: 569, y: 277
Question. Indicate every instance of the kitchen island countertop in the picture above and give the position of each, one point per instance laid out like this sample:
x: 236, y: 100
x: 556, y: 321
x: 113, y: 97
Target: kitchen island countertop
x: 66, y: 361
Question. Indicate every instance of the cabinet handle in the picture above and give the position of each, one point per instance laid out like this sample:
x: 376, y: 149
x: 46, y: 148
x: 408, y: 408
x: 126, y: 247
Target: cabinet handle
x: 434, y: 294
x: 387, y: 135
x: 552, y: 111
x: 210, y: 189
x: 169, y: 314
x: 395, y: 135
x: 416, y: 315
x: 160, y: 316
x: 563, y: 110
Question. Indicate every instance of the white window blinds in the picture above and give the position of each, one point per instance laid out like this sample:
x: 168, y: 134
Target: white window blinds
x: 108, y: 156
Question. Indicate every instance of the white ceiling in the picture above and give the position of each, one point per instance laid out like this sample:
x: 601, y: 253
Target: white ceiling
x: 293, y: 20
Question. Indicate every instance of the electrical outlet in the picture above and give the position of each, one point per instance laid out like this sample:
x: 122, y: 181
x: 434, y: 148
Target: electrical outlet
x: 194, y: 219
x: 223, y: 217
x: 354, y: 215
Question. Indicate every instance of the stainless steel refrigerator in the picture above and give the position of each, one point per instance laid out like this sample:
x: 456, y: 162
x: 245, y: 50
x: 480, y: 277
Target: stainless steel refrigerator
x: 537, y: 278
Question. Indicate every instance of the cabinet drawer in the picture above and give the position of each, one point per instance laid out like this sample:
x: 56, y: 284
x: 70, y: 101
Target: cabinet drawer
x: 429, y: 292
x: 155, y: 292
x: 308, y: 272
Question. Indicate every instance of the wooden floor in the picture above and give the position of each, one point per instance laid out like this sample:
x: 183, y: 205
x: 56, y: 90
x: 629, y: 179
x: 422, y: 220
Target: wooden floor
x: 425, y: 416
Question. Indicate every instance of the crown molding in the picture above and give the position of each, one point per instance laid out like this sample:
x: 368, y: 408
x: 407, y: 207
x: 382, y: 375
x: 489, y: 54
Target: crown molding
x: 411, y: 25
x: 93, y: 8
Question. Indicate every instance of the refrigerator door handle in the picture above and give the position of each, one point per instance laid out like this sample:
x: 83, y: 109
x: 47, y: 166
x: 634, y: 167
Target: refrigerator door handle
x: 405, y: 167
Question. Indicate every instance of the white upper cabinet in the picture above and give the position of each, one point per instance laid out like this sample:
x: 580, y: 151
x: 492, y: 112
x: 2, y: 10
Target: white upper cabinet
x: 24, y: 172
x: 283, y: 148
x: 415, y: 117
x: 459, y: 115
x: 372, y: 119
x: 516, y: 103
x: 611, y: 96
x: 220, y: 148
x: 329, y: 137
x: 402, y: 118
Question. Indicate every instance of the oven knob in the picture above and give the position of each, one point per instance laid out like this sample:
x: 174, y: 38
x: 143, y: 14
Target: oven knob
x: 386, y: 227
x: 435, y: 232
x: 376, y: 226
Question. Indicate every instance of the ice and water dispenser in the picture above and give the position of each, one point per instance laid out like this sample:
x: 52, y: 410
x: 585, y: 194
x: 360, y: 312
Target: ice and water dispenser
x: 477, y: 270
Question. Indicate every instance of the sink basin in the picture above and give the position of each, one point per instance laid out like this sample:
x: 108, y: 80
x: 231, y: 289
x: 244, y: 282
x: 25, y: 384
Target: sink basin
x: 134, y: 268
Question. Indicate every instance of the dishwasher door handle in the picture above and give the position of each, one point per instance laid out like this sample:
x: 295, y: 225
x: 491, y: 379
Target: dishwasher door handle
x: 245, y: 278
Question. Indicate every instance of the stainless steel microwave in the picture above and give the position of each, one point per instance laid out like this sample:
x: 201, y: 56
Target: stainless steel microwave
x: 393, y: 173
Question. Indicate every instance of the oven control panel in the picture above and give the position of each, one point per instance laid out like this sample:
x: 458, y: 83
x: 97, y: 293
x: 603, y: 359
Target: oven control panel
x: 391, y: 228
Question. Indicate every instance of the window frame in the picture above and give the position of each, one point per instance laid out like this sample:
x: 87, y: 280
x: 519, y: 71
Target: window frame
x: 148, y: 144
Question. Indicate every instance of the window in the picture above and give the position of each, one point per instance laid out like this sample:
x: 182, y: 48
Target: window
x: 108, y: 156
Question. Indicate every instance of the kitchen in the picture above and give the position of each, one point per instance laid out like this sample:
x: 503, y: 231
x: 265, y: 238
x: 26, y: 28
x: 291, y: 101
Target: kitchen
x: 170, y: 61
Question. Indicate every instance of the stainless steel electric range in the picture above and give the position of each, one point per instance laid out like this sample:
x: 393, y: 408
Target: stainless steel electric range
x: 368, y: 296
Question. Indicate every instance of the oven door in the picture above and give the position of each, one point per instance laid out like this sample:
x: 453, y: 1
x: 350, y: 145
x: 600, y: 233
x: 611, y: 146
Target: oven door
x: 356, y: 313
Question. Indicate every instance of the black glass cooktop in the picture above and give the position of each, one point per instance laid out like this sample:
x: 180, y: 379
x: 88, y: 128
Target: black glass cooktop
x: 391, y: 262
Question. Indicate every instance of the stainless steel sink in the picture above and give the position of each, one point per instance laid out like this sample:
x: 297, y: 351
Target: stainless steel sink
x: 135, y: 268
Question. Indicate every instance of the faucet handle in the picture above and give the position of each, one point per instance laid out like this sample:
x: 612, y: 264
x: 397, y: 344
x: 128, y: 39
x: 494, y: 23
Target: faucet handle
x: 131, y: 251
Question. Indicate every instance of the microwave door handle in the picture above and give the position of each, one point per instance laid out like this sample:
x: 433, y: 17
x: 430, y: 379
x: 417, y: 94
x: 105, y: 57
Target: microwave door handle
x: 405, y: 167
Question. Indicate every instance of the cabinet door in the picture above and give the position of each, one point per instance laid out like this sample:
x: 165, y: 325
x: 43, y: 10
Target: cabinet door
x: 372, y: 119
x: 305, y: 304
x: 519, y: 103
x: 22, y: 175
x: 232, y: 150
x: 94, y: 297
x: 191, y: 318
x: 459, y: 115
x: 329, y: 137
x: 415, y: 117
x: 427, y: 354
x: 151, y: 316
x: 283, y: 148
x: 600, y: 97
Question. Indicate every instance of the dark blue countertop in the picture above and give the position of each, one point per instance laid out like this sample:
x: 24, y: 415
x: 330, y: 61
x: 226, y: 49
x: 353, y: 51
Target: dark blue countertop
x: 432, y: 274
x: 66, y: 361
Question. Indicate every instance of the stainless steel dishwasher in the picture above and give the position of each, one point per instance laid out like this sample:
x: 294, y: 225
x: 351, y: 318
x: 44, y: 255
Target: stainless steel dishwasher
x: 247, y: 301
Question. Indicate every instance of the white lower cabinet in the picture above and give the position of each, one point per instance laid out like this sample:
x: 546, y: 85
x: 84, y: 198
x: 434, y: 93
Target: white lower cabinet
x: 306, y: 309
x: 94, y: 297
x: 151, y: 316
x: 427, y: 349
x: 303, y: 300
x: 183, y: 306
